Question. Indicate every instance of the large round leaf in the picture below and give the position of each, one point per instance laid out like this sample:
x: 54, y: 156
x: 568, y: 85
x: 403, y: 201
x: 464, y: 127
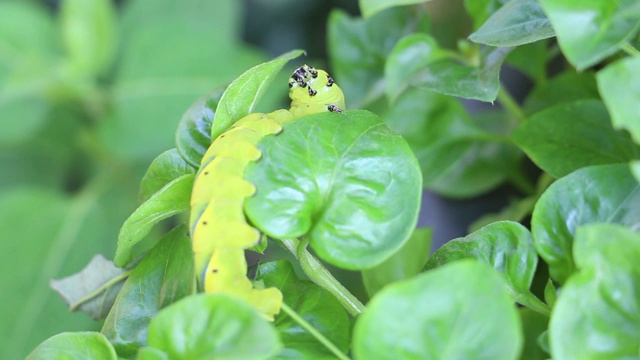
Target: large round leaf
x: 74, y: 345
x: 344, y: 180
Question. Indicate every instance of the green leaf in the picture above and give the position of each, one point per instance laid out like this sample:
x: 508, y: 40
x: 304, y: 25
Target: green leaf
x: 481, y: 10
x: 604, y: 193
x: 368, y: 8
x: 469, y: 316
x: 92, y: 290
x: 165, y: 275
x: 344, y: 180
x: 618, y: 84
x: 193, y: 135
x: 457, y: 157
x: 89, y: 34
x: 635, y: 169
x: 405, y: 263
x: 219, y: 327
x: 596, y: 316
x: 314, y: 305
x: 569, y: 86
x: 359, y: 49
x: 531, y: 59
x: 79, y: 345
x: 172, y: 199
x: 518, y: 22
x: 589, y: 32
x: 571, y: 136
x: 167, y: 167
x: 507, y: 247
x: 242, y: 95
x: 533, y: 325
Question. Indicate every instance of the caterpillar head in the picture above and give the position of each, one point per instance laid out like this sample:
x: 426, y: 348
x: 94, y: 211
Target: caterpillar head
x: 313, y: 91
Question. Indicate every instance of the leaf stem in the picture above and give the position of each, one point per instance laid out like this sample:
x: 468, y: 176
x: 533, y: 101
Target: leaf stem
x: 322, y: 277
x: 96, y: 292
x: 630, y: 50
x: 315, y: 333
x: 509, y: 104
x: 532, y: 302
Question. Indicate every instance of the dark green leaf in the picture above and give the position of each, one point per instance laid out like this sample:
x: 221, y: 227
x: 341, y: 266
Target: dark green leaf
x: 172, y: 199
x: 459, y: 311
x: 574, y: 135
x: 369, y: 8
x: 604, y: 193
x: 405, y: 263
x: 596, y: 316
x: 569, y: 86
x: 531, y: 59
x: 590, y: 31
x: 314, y: 305
x: 80, y: 345
x: 344, y: 180
x: 92, y: 290
x: 242, y: 95
x: 618, y: 84
x: 219, y: 327
x: 193, y: 135
x: 359, y: 49
x: 165, y: 275
x: 533, y: 325
x: 518, y: 22
x: 167, y: 167
x: 481, y: 10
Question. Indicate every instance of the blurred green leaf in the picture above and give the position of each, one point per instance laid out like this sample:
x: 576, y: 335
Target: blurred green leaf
x: 165, y: 275
x: 603, y: 193
x: 570, y: 136
x: 359, y: 49
x: 635, y: 169
x: 405, y: 263
x: 167, y: 167
x: 368, y: 8
x: 596, y: 316
x: 219, y: 327
x: 533, y: 325
x: 93, y: 290
x: 568, y: 86
x: 481, y: 10
x: 79, y: 345
x: 619, y: 84
x: 345, y: 180
x: 314, y: 305
x: 469, y: 316
x: 172, y: 199
x: 89, y: 33
x: 531, y: 59
x: 242, y: 95
x: 518, y: 22
x: 590, y: 31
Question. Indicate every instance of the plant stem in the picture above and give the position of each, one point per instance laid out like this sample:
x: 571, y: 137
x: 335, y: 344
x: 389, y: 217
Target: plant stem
x: 629, y: 49
x: 510, y: 105
x: 322, y: 277
x: 315, y: 333
x: 99, y: 290
x: 533, y: 303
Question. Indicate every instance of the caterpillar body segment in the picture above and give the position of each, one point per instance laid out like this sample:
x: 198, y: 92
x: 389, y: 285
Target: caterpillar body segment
x: 313, y: 91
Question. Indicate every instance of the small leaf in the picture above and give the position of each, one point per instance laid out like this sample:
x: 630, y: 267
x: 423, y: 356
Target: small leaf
x: 468, y: 316
x: 369, y: 8
x: 575, y: 135
x: 604, y: 193
x: 165, y: 275
x: 405, y: 263
x: 74, y: 345
x: 167, y: 167
x: 193, y: 135
x: 596, y: 315
x: 345, y: 180
x: 531, y: 59
x: 618, y: 84
x: 518, y: 22
x: 242, y: 95
x: 590, y: 31
x: 219, y: 327
x: 92, y: 290
x: 172, y: 199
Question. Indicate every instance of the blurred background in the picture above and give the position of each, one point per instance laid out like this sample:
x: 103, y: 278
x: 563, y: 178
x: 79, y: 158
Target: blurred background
x: 91, y: 93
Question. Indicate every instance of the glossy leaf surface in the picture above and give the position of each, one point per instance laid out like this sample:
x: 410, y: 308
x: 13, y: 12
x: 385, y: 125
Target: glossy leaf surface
x: 167, y: 167
x: 79, y: 345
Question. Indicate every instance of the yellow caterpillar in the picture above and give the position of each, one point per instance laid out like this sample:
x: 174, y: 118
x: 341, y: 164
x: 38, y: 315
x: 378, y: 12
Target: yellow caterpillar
x: 219, y: 230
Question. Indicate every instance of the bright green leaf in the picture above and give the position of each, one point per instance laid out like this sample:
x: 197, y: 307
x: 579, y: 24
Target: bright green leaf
x: 604, y: 193
x: 219, y: 327
x: 172, y: 199
x: 590, y: 31
x: 242, y: 95
x: 481, y: 10
x: 459, y: 311
x: 368, y: 8
x: 619, y: 84
x: 167, y: 167
x: 165, y: 275
x: 79, y: 345
x: 344, y: 180
x: 405, y: 263
x: 566, y: 87
x: 635, y: 169
x: 596, y: 316
x: 518, y: 22
x: 574, y: 135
